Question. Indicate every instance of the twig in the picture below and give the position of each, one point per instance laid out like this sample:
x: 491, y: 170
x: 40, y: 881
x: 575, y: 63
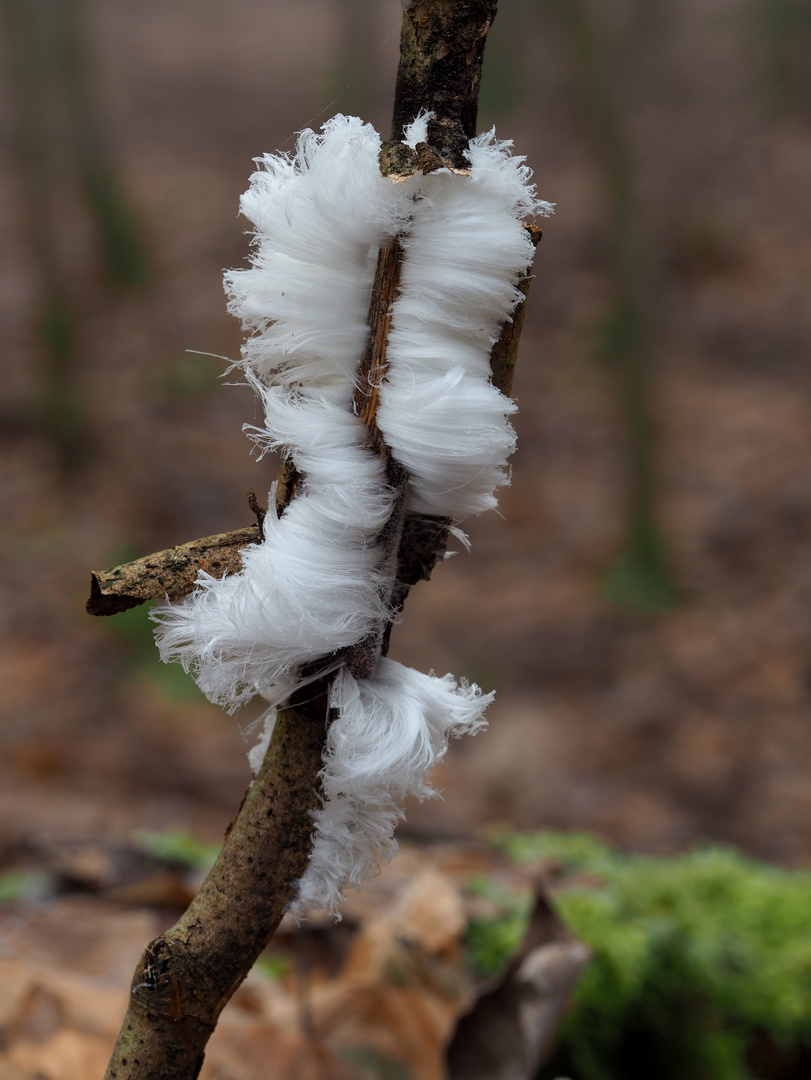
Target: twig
x: 255, y: 508
x: 441, y: 53
x: 186, y: 976
x: 169, y: 574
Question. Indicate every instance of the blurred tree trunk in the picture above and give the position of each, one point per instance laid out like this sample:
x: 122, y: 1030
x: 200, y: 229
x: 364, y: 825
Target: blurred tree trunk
x: 50, y: 89
x: 639, y: 576
x: 782, y: 36
x: 30, y: 89
x: 107, y: 201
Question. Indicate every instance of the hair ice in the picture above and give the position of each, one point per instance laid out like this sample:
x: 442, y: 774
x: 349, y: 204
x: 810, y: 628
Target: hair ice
x: 320, y: 579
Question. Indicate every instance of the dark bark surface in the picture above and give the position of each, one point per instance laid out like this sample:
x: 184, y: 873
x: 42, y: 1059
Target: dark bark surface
x: 442, y: 50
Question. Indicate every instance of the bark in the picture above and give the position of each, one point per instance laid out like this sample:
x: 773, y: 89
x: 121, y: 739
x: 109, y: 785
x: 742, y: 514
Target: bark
x: 187, y: 975
x: 374, y: 365
x: 169, y: 574
x: 505, y: 350
x: 442, y: 48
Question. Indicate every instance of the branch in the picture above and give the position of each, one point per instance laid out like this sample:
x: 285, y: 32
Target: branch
x: 169, y: 574
x: 187, y: 975
x: 172, y: 574
x: 441, y: 53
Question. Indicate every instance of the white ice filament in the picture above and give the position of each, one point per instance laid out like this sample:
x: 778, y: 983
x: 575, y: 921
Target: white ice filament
x: 320, y: 580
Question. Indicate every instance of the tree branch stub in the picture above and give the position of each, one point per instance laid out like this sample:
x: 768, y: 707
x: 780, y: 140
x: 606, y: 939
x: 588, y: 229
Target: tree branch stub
x: 168, y: 574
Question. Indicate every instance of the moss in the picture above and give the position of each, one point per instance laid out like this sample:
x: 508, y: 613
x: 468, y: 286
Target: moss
x: 697, y: 958
x: 272, y: 966
x: 491, y: 942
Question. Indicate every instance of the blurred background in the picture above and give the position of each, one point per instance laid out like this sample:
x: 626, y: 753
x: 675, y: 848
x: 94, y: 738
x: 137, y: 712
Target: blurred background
x: 642, y: 605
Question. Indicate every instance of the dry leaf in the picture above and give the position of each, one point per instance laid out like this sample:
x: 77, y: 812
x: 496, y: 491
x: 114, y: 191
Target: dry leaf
x: 404, y: 983
x: 509, y: 1031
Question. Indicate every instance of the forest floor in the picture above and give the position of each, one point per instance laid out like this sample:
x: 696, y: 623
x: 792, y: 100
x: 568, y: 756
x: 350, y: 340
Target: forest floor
x: 658, y: 732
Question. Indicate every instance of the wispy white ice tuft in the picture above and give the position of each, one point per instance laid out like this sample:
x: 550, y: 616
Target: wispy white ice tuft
x: 319, y: 580
x: 314, y: 585
x: 465, y: 251
x: 391, y: 730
